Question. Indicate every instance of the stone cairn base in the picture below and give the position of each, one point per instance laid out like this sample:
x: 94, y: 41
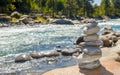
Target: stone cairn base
x: 91, y: 52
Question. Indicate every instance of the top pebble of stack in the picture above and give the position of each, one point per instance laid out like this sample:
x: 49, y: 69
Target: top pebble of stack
x: 91, y: 28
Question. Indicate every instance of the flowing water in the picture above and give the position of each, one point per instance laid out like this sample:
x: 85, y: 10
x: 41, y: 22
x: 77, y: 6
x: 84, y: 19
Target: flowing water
x: 24, y: 39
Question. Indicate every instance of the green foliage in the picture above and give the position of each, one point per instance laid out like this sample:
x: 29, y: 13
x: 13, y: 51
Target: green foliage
x: 69, y: 8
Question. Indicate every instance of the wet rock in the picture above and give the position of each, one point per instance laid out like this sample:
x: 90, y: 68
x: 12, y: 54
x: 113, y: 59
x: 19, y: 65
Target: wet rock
x: 92, y: 37
x: 15, y: 14
x: 62, y: 21
x: 22, y: 58
x: 68, y: 52
x: 36, y: 55
x: 51, y: 53
x: 89, y: 31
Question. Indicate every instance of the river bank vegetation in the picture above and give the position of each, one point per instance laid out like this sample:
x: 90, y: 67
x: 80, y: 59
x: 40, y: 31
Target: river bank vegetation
x: 73, y: 9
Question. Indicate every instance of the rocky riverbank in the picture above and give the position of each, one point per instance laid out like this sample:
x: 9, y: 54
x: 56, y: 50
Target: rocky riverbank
x: 16, y: 18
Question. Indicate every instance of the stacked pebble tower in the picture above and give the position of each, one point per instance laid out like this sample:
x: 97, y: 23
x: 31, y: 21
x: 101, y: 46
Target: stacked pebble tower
x: 91, y: 52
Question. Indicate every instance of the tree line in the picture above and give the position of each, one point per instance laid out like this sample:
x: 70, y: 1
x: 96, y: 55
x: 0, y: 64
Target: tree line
x: 69, y: 8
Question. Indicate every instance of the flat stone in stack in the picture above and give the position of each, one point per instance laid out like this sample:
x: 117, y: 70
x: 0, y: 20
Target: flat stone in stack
x: 89, y: 59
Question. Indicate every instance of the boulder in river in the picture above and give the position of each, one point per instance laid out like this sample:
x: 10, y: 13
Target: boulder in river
x: 62, y: 21
x: 68, y: 52
x: 22, y: 58
x: 50, y: 53
x: 36, y: 55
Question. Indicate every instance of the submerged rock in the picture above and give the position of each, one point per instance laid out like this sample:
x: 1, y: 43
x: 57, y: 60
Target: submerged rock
x: 22, y: 58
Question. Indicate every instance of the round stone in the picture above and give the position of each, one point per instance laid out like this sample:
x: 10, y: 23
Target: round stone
x: 92, y: 43
x: 91, y: 24
x: 93, y: 30
x: 84, y: 58
x: 90, y: 65
x: 91, y: 50
x: 93, y: 37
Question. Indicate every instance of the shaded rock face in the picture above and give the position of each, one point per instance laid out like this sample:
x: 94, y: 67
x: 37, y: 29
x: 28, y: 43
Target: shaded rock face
x: 62, y: 21
x: 79, y: 40
x: 91, y: 52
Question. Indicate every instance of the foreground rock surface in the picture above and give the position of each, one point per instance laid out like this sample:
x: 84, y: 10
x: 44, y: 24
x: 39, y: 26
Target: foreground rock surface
x: 105, y: 69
